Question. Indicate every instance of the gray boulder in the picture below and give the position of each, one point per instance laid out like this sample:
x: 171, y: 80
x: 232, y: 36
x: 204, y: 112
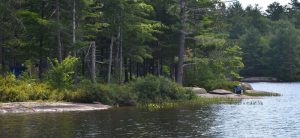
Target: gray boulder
x: 220, y: 91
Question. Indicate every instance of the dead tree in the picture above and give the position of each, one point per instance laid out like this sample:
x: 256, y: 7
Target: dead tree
x: 110, y: 59
x: 93, y: 61
x: 58, y: 34
x: 181, y: 42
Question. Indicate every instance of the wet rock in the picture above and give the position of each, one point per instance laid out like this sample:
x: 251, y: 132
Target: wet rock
x: 220, y: 91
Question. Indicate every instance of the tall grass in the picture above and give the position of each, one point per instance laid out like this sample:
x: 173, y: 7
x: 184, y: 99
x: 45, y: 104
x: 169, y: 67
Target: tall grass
x: 196, y: 102
x: 262, y: 94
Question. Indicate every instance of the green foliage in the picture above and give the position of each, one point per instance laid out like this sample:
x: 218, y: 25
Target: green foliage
x: 13, y: 90
x: 285, y: 58
x: 214, y: 61
x: 255, y: 48
x: 159, y: 89
x: 204, y: 75
x: 61, y: 75
x: 105, y: 93
x: 150, y: 89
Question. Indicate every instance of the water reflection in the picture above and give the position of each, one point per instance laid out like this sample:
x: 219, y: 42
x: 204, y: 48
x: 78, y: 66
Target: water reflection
x: 123, y: 122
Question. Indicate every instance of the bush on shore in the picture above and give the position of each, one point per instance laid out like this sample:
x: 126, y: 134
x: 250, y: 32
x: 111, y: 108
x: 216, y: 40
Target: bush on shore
x: 150, y: 89
x: 159, y: 89
x: 14, y: 90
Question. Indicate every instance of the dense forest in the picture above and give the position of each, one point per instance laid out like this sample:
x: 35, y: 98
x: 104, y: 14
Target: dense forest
x: 195, y: 43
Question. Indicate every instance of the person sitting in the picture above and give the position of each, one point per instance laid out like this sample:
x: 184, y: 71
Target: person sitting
x: 238, y: 89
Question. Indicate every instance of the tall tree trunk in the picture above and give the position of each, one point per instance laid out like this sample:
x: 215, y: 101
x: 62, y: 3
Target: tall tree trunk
x: 117, y: 59
x: 137, y: 69
x: 1, y: 53
x: 110, y: 59
x: 83, y: 63
x: 161, y: 66
x: 181, y: 42
x: 158, y: 66
x: 93, y: 66
x: 74, y: 41
x: 58, y: 34
x: 121, y: 57
x: 126, y: 69
x: 74, y: 26
x: 40, y: 73
x: 130, y: 69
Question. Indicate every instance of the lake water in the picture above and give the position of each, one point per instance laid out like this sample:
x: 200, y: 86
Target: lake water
x: 268, y: 117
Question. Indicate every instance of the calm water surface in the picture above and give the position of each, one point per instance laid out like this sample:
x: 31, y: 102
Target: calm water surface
x: 268, y: 117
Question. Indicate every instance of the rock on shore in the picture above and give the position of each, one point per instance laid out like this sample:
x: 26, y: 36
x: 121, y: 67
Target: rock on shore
x: 220, y: 92
x: 197, y: 90
x: 30, y: 107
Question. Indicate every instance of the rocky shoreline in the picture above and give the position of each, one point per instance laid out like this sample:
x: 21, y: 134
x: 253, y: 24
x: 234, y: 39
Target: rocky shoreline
x: 233, y: 96
x: 39, y: 107
x: 32, y: 107
x: 249, y: 93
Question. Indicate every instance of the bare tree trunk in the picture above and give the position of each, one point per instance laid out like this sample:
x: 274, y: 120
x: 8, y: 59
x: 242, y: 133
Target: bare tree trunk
x: 40, y: 71
x: 118, y: 56
x: 83, y: 64
x: 158, y: 66
x: 74, y: 26
x: 93, y: 66
x: 181, y: 42
x: 130, y: 69
x: 121, y: 58
x: 110, y: 59
x: 58, y: 34
x: 74, y: 41
x: 137, y: 69
x: 126, y: 69
x: 1, y: 53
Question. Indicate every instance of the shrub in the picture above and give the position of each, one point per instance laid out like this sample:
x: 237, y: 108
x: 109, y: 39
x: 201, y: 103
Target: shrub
x: 143, y: 90
x: 60, y: 75
x: 205, y: 76
x: 104, y: 93
x: 159, y: 89
x: 13, y: 90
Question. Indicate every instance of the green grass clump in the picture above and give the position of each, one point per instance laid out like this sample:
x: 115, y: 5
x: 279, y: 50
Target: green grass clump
x: 199, y: 101
x: 262, y: 94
